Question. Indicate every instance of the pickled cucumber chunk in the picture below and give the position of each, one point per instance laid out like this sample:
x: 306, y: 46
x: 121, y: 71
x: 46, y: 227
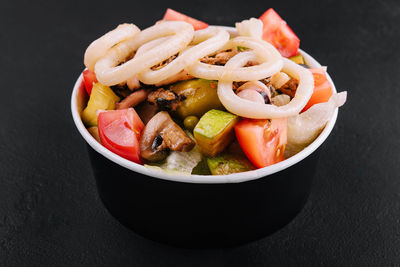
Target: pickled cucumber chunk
x: 202, y: 168
x: 200, y: 96
x: 102, y: 97
x: 298, y: 59
x: 228, y: 163
x: 214, y: 132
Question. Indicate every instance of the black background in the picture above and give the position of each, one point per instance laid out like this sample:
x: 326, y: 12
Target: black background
x: 50, y: 213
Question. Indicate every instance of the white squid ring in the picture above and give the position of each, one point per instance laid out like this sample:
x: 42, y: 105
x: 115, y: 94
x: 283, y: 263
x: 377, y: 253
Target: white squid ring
x: 205, y: 42
x: 269, y: 59
x: 109, y: 73
x: 249, y: 109
x: 99, y: 47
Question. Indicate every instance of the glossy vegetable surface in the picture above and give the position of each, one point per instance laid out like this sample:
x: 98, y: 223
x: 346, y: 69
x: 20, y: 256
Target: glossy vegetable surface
x: 322, y: 88
x: 228, y: 163
x: 297, y: 59
x: 101, y: 97
x: 89, y: 78
x: 214, y: 131
x: 278, y: 33
x: 201, y: 96
x: 190, y: 122
x: 119, y: 131
x: 263, y: 141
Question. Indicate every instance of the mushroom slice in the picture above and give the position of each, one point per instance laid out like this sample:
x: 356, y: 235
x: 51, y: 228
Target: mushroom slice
x: 166, y: 100
x: 161, y: 133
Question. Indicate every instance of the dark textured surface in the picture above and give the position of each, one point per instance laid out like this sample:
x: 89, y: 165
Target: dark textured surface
x: 50, y: 213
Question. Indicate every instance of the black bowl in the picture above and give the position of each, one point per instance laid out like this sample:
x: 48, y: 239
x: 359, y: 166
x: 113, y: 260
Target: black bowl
x: 196, y: 210
x: 202, y: 214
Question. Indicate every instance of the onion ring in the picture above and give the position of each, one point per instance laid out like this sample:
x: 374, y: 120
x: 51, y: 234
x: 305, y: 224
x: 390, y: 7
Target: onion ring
x: 249, y: 109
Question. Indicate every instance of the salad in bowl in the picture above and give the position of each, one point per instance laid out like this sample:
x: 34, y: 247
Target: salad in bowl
x: 204, y: 136
x: 184, y: 97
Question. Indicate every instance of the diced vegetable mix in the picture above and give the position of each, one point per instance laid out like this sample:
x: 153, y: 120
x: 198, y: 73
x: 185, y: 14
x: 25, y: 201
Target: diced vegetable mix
x: 214, y: 131
x: 200, y: 96
x: 101, y: 98
x: 215, y: 141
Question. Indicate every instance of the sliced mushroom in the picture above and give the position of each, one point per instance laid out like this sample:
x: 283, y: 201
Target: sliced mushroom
x: 146, y: 111
x: 132, y: 100
x: 220, y: 58
x: 164, y: 99
x: 161, y: 133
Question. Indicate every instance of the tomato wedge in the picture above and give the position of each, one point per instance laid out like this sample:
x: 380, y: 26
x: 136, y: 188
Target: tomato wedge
x: 263, y: 141
x: 279, y: 34
x: 89, y: 78
x: 322, y: 88
x: 119, y: 131
x: 171, y: 14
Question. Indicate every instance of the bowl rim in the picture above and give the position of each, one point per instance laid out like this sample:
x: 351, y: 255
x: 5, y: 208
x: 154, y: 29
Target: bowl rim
x: 204, y: 179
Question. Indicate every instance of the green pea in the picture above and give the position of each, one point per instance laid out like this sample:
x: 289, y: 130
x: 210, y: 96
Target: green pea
x: 190, y: 122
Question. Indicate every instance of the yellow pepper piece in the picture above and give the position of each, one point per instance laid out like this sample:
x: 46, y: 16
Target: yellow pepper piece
x: 298, y: 59
x: 102, y: 97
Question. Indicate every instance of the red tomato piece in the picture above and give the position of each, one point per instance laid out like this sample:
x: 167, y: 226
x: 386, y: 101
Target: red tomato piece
x: 263, y: 141
x: 89, y: 78
x: 279, y: 34
x: 322, y: 88
x: 119, y: 131
x: 171, y: 14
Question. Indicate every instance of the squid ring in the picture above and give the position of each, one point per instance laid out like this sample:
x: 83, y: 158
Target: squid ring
x: 263, y: 52
x: 99, y: 47
x: 205, y: 42
x: 108, y: 70
x: 249, y: 109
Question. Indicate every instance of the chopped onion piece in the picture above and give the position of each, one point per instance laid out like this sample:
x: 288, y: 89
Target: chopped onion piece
x: 279, y: 79
x: 305, y: 127
x: 280, y: 100
x: 182, y: 162
x: 250, y: 27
